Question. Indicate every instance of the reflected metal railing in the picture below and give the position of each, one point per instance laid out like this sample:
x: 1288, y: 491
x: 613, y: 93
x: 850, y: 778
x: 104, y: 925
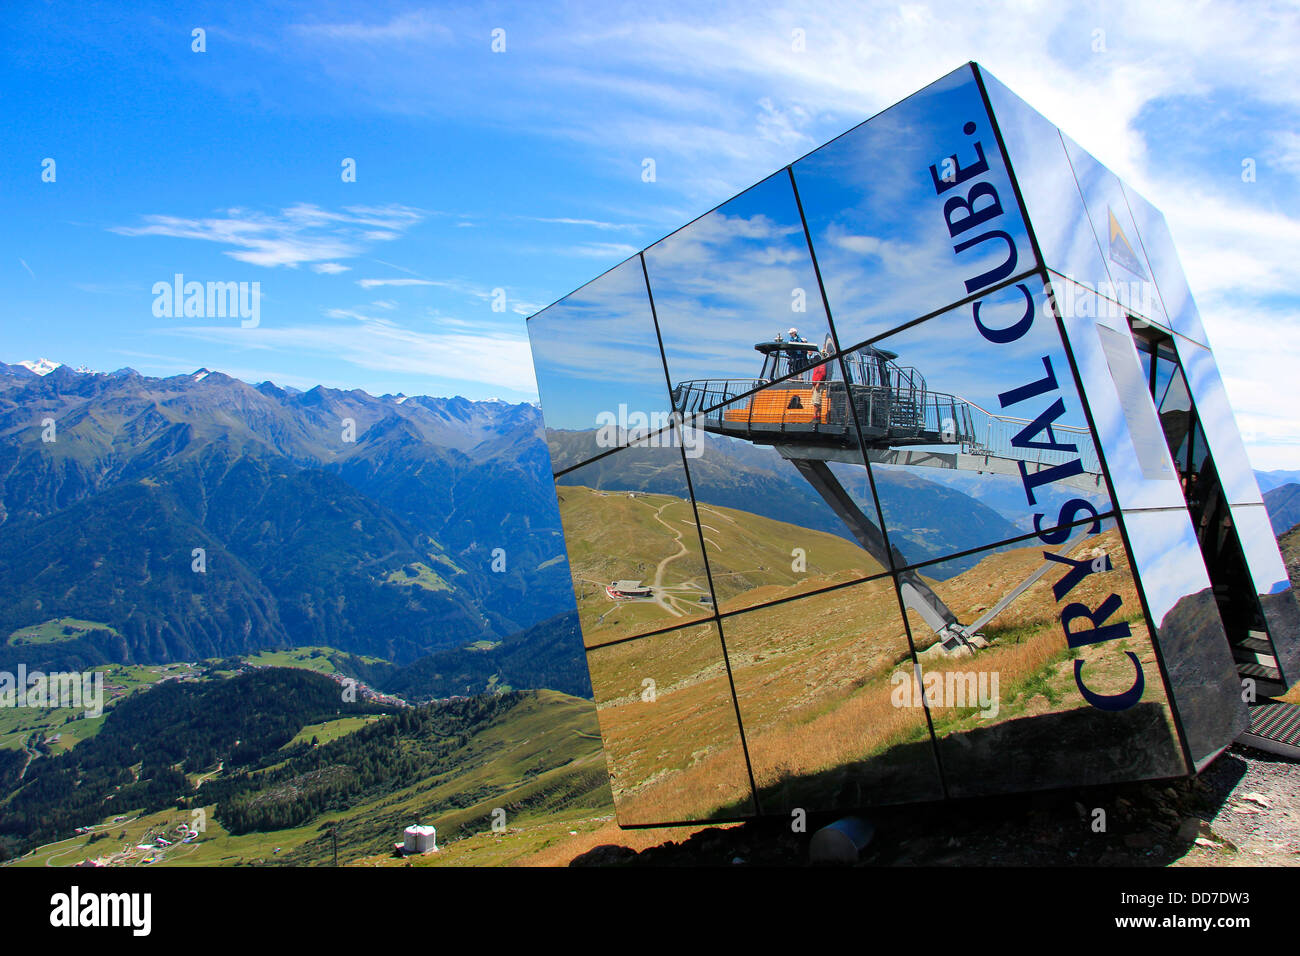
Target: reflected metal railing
x: 701, y: 396
x: 905, y: 412
x: 994, y: 434
x: 742, y: 406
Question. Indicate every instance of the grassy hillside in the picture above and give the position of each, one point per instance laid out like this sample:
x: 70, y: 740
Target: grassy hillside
x: 540, y: 757
x: 1289, y: 545
x: 57, y: 729
x: 57, y: 629
x: 320, y: 659
x: 152, y: 748
x: 614, y: 535
x: 546, y: 655
x: 813, y: 678
x: 535, y: 756
x: 327, y: 730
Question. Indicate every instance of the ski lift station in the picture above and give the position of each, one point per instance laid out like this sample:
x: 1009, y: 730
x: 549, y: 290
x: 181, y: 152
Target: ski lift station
x: 923, y: 456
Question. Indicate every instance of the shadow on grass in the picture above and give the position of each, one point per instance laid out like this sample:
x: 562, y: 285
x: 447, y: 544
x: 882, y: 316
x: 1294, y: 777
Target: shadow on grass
x: 1148, y: 809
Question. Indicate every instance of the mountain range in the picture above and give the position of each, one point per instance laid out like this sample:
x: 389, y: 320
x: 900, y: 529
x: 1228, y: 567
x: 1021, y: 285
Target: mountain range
x: 1283, y: 504
x: 1268, y: 480
x: 197, y: 516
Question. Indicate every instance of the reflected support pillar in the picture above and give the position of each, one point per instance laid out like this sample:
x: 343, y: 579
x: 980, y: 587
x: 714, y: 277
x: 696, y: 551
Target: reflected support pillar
x: 916, y: 594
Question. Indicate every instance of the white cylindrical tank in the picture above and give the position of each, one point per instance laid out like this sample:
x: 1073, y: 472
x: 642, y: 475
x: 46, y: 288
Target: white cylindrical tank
x: 419, y: 839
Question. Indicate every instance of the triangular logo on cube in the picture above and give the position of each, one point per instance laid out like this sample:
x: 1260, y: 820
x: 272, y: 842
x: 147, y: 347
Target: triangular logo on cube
x: 1121, y: 252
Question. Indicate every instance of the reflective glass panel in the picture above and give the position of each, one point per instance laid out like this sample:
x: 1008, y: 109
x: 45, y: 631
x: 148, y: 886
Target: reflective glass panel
x: 738, y: 276
x: 599, y: 371
x: 1216, y: 418
x: 1198, y: 662
x: 1056, y: 212
x: 912, y: 210
x: 1158, y: 245
x: 1068, y: 690
x: 668, y: 722
x: 766, y: 471
x: 822, y: 727
x: 1119, y: 397
x: 980, y: 432
x: 633, y: 544
x: 1173, y: 403
x: 1130, y: 275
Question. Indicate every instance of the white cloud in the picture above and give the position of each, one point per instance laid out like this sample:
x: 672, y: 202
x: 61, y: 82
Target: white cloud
x: 461, y: 287
x: 300, y: 234
x: 492, y: 357
x: 377, y: 283
x: 1286, y: 151
x: 785, y: 128
x: 593, y: 223
x: 414, y: 25
x: 600, y: 250
x: 1230, y: 249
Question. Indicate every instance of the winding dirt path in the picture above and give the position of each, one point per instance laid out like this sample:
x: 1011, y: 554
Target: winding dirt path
x: 663, y: 565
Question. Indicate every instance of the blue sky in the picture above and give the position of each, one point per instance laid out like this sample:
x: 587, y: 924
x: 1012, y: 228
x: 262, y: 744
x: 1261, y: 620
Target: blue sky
x: 521, y: 170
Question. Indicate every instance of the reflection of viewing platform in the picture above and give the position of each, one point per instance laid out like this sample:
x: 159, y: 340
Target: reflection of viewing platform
x: 800, y: 405
x: 800, y: 399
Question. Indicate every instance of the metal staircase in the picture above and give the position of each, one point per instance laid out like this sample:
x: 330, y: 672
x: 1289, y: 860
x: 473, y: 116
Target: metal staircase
x: 1255, y: 659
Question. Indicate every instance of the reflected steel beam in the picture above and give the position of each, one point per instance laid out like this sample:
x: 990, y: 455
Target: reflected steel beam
x: 952, y: 461
x: 917, y: 595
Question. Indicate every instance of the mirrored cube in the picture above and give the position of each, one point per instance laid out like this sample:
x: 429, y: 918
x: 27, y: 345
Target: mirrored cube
x: 905, y: 475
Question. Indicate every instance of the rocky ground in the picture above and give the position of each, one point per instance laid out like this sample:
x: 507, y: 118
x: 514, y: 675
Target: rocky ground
x: 1242, y: 810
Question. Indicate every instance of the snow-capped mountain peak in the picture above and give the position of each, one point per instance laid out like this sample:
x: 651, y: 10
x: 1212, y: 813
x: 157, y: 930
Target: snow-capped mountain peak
x: 41, y: 366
